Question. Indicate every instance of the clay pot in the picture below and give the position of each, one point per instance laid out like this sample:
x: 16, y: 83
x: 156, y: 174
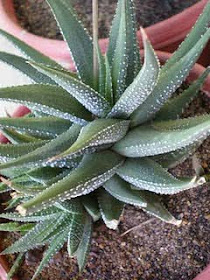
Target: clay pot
x: 165, y: 35
x: 204, y: 275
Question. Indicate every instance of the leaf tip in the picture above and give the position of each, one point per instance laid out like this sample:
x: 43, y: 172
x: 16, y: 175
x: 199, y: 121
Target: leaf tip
x: 21, y: 210
x: 176, y: 222
x: 201, y: 181
x: 144, y: 34
x: 112, y: 224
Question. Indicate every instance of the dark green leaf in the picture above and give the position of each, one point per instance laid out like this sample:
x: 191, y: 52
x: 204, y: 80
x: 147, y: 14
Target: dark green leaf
x: 141, y: 87
x: 111, y: 209
x: 92, y: 172
x: 45, y: 126
x: 122, y: 191
x: 164, y: 137
x: 168, y: 82
x: 87, y: 96
x: 79, y: 42
x: 175, y: 106
x: 90, y: 203
x: 84, y: 246
x: 147, y: 174
x: 22, y: 65
x: 96, y: 134
x: 51, y: 100
x: 42, y: 155
x: 28, y: 51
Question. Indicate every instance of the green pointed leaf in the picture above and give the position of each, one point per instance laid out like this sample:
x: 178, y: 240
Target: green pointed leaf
x: 172, y: 159
x: 175, y: 107
x: 47, y: 151
x: 4, y: 188
x: 14, y: 202
x: 122, y: 191
x: 196, y: 33
x: 120, y: 59
x: 168, y: 82
x: 10, y: 227
x: 101, y: 72
x: 141, y: 87
x: 111, y: 209
x: 181, y: 123
x: 27, y: 188
x: 21, y: 64
x: 92, y: 172
x: 73, y: 206
x: 43, y: 174
x: 48, y: 99
x: 15, y: 266
x: 84, y: 246
x: 9, y: 152
x: 18, y: 138
x: 96, y: 134
x: 133, y: 50
x: 147, y: 174
x: 90, y: 203
x: 64, y: 173
x: 29, y: 240
x: 35, y: 237
x: 47, y: 214
x: 76, y: 229
x: 79, y: 42
x: 26, y: 227
x: 114, y: 33
x: 163, y: 138
x: 108, y: 83
x: 123, y: 33
x: 55, y: 245
x: 28, y: 51
x: 156, y: 208
x: 87, y: 96
x: 45, y: 126
x: 13, y: 173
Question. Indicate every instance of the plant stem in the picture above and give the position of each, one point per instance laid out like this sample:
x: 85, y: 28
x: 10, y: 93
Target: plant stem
x: 95, y: 39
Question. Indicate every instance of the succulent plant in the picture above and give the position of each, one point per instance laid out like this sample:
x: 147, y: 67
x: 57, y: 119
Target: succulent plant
x: 98, y: 138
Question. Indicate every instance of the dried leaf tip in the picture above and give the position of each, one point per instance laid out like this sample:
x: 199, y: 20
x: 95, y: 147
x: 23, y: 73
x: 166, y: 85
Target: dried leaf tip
x: 176, y: 222
x: 21, y: 210
x: 14, y: 195
x: 5, y: 181
x: 201, y: 181
x: 113, y: 224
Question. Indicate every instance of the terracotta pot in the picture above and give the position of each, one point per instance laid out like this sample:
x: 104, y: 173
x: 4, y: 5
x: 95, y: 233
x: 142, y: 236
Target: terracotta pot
x: 163, y: 56
x: 165, y: 35
x: 204, y: 275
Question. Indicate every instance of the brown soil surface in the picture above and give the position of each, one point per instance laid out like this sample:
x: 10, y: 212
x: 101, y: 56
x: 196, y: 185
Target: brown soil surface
x: 154, y: 251
x: 36, y: 17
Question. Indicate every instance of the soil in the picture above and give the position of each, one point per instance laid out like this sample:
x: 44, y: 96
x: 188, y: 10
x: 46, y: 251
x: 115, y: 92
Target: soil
x: 36, y: 16
x: 155, y: 250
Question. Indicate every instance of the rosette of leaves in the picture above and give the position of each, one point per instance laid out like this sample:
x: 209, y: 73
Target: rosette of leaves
x: 96, y: 141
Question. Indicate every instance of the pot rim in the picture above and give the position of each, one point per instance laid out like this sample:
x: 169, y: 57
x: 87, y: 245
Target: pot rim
x: 162, y: 34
